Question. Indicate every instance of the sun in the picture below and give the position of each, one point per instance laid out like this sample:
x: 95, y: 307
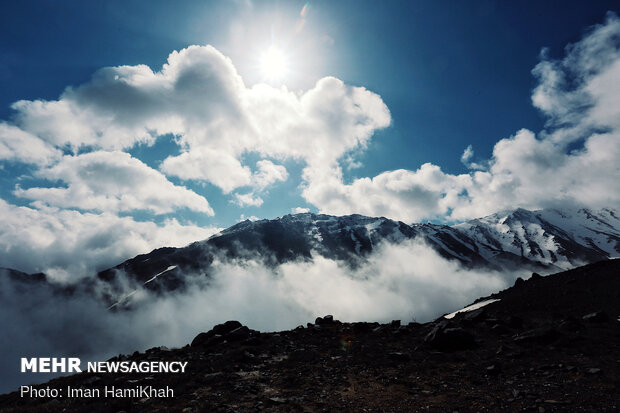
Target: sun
x: 274, y: 64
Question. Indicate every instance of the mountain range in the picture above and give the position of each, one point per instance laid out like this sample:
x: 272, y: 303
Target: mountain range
x: 546, y: 241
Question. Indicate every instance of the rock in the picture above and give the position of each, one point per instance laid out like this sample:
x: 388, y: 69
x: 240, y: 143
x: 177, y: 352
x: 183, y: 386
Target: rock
x: 499, y: 329
x: 227, y: 327
x: 201, y: 338
x: 515, y: 322
x: 493, y: 370
x: 239, y: 334
x: 91, y: 380
x: 593, y: 371
x: 570, y: 324
x: 538, y: 335
x: 476, y: 315
x: 597, y: 317
x: 535, y: 276
x: 398, y: 356
x: 519, y: 282
x: 395, y: 324
x: 362, y: 327
x: 328, y: 319
x: 450, y: 339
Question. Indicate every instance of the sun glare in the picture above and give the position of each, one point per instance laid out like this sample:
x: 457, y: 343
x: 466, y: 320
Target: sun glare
x: 273, y: 64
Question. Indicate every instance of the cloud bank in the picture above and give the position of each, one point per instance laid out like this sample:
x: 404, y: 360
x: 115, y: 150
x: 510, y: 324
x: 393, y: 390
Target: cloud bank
x: 67, y: 244
x: 268, y: 299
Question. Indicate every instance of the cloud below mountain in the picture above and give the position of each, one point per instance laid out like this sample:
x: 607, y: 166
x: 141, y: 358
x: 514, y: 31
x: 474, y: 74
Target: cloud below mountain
x: 408, y: 281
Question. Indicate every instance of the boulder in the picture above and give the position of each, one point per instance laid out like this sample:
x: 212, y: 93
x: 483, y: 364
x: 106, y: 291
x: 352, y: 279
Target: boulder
x: 206, y: 339
x: 450, y: 339
x: 328, y: 319
x: 227, y: 327
x: 239, y: 334
x: 538, y: 335
x: 597, y: 317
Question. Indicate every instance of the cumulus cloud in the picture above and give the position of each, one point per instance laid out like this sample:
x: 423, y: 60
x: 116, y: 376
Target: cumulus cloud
x: 268, y: 173
x: 68, y: 244
x: 248, y: 200
x: 221, y: 169
x: 575, y: 159
x: 112, y: 181
x: 401, y: 194
x: 17, y: 145
x: 199, y: 97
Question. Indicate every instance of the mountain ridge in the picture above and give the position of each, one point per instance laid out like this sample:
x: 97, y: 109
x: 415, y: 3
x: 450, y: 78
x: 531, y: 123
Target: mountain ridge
x: 544, y: 240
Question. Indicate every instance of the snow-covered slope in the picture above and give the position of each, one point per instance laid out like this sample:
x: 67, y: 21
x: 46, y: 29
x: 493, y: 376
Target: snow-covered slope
x: 559, y: 238
x: 545, y: 241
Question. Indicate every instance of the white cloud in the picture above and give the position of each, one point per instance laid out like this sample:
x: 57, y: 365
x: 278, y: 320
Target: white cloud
x: 251, y: 218
x: 208, y: 164
x: 467, y: 155
x: 114, y: 182
x: 67, y: 243
x: 402, y: 194
x: 248, y: 200
x: 199, y: 97
x: 267, y: 174
x: 580, y: 96
x: 299, y: 210
x: 17, y: 145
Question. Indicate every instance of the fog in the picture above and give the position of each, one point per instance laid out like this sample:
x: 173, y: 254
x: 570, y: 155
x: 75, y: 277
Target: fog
x: 407, y: 281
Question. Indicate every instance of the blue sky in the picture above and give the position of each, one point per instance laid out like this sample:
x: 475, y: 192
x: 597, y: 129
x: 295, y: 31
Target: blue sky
x: 170, y: 156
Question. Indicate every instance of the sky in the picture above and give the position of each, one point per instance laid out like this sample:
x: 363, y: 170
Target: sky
x: 131, y: 125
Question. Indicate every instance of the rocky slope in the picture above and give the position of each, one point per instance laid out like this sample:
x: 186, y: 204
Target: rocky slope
x: 546, y: 344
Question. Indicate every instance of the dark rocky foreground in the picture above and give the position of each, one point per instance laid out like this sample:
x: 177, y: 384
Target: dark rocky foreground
x: 550, y: 344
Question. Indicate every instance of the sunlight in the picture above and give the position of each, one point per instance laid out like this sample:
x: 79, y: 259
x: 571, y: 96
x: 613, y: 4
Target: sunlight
x: 274, y: 64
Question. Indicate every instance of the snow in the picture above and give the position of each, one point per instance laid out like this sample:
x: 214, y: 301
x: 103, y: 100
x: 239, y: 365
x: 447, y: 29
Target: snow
x: 471, y: 307
x: 170, y: 268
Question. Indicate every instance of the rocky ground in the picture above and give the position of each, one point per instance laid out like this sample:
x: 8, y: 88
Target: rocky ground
x: 549, y: 344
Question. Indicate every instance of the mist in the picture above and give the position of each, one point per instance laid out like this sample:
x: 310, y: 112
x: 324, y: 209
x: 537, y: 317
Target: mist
x: 407, y: 281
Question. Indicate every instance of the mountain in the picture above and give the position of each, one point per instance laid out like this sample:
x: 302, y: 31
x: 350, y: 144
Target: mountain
x: 544, y: 240
x: 546, y: 344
